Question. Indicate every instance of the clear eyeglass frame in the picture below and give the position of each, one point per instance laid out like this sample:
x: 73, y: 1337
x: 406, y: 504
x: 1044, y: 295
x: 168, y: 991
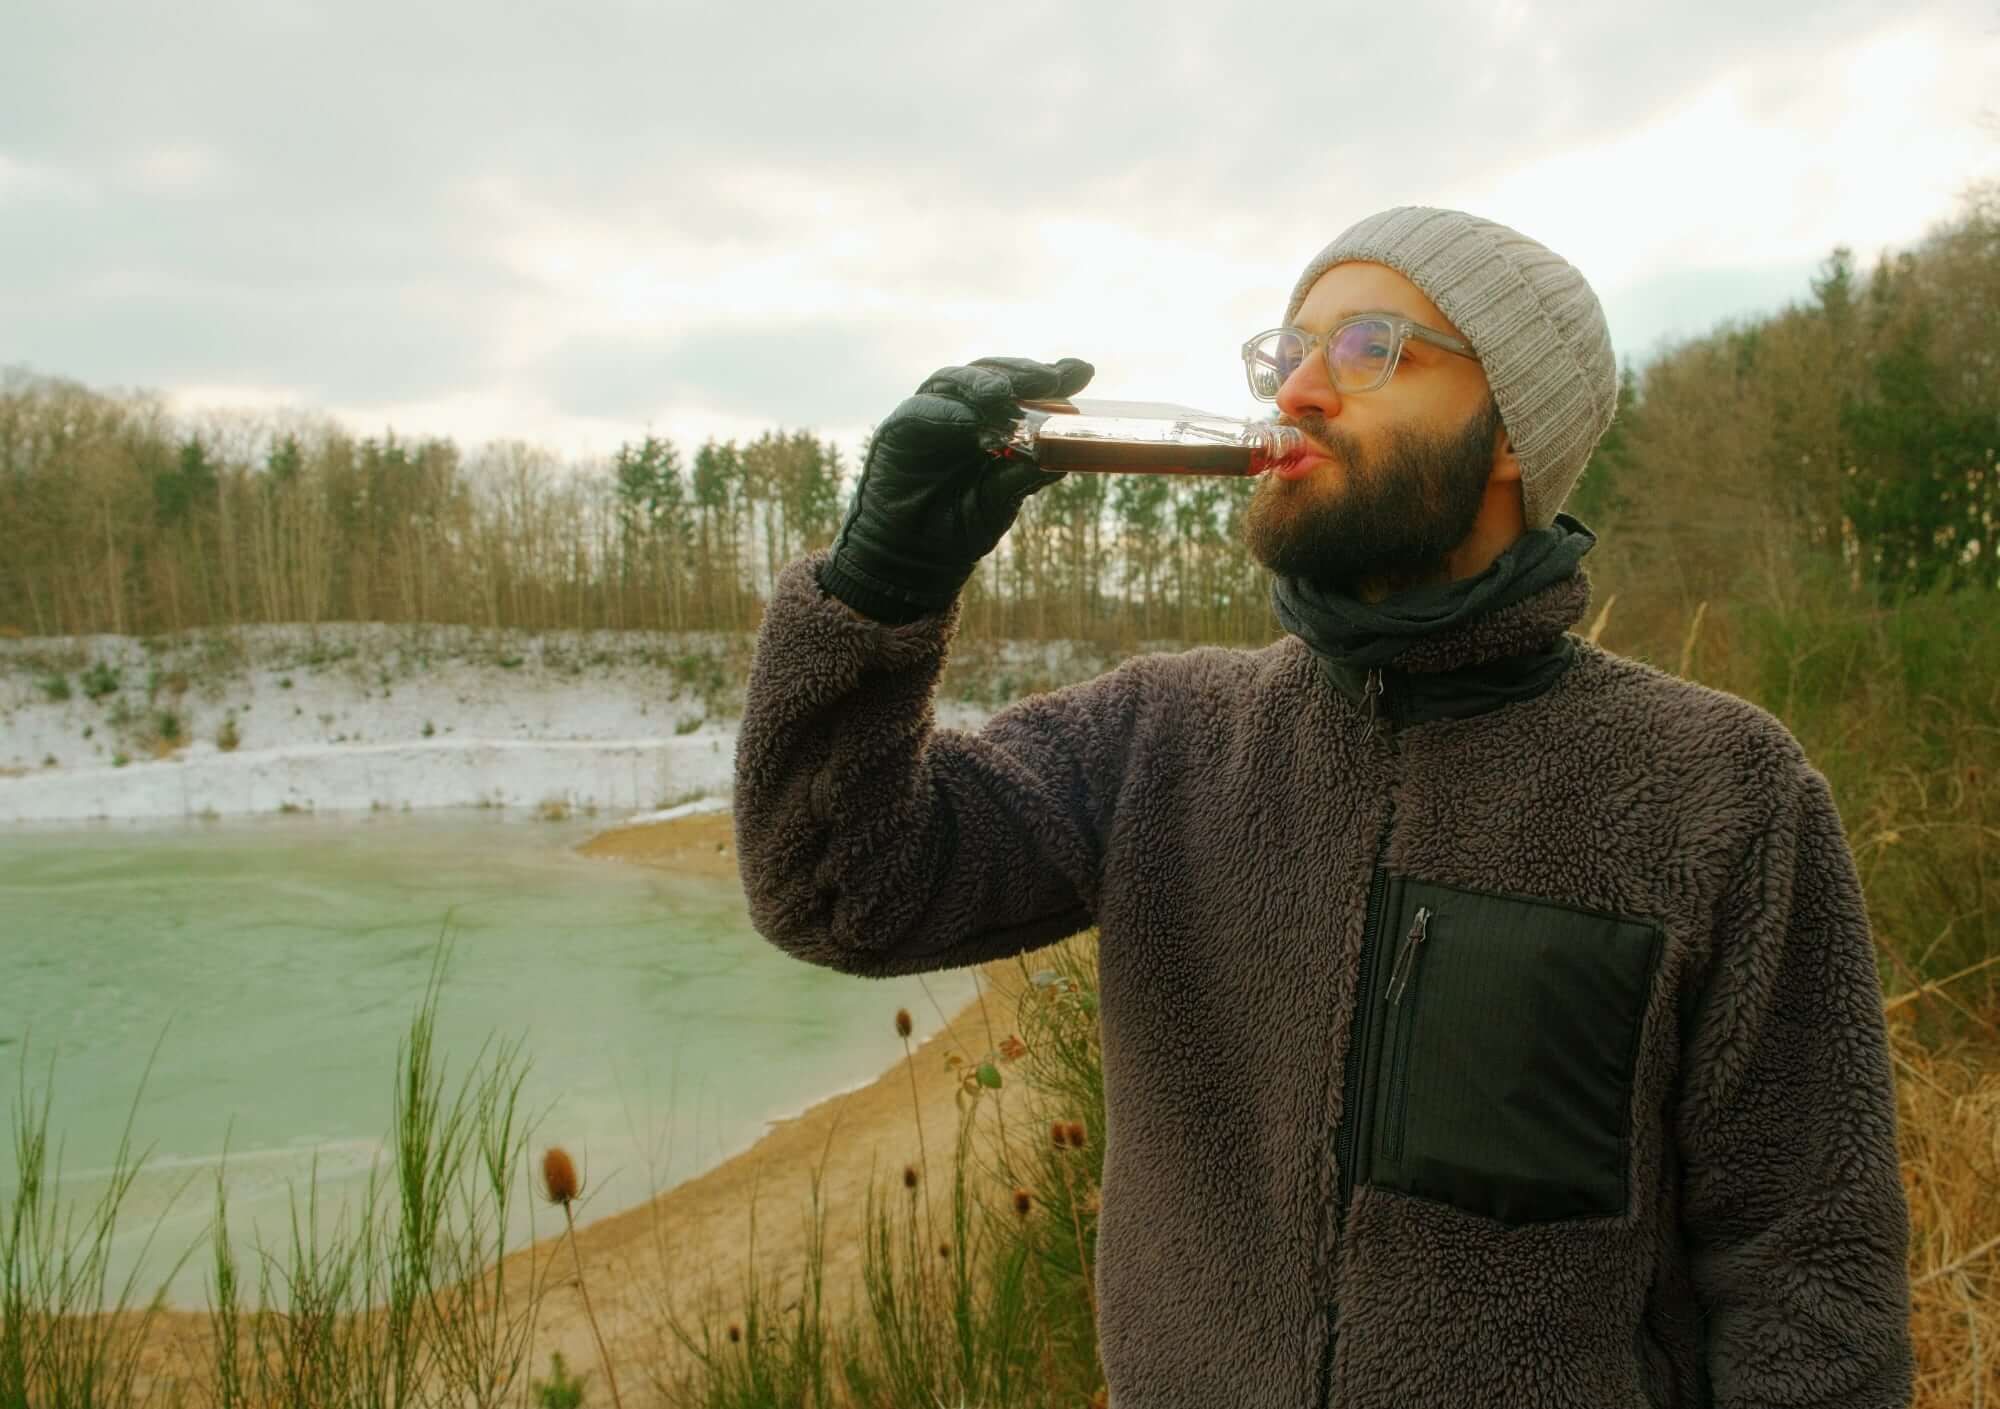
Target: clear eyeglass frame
x: 1258, y: 363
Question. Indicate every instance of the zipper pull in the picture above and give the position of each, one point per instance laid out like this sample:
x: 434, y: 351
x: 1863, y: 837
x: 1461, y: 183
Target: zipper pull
x: 1399, y: 977
x: 1372, y: 692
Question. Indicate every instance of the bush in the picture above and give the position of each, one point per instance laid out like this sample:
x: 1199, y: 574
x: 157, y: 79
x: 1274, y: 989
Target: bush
x: 56, y: 687
x: 227, y: 738
x: 561, y: 1390
x: 168, y: 726
x: 99, y: 680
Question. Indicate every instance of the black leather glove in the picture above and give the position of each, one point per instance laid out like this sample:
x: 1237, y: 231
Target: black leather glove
x: 933, y: 498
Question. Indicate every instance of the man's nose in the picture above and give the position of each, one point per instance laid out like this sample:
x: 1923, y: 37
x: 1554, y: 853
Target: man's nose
x: 1309, y: 388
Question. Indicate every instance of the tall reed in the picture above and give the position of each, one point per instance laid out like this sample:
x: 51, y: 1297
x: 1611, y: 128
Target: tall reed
x: 69, y: 1334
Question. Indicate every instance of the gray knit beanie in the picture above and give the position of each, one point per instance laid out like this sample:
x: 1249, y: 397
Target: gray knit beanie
x: 1535, y: 323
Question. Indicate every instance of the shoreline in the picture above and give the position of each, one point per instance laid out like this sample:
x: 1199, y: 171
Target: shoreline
x: 851, y: 1137
x: 689, y: 1251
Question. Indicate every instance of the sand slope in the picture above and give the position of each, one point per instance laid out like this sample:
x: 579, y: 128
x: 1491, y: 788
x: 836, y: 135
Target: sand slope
x: 696, y: 1236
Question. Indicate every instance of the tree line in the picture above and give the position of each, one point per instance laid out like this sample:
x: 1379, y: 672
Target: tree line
x: 1857, y: 427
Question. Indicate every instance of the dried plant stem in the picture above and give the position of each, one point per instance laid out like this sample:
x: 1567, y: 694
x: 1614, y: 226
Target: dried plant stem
x: 1925, y: 989
x: 1973, y: 1256
x: 610, y: 1375
x: 1694, y: 631
x: 992, y: 1042
x: 1597, y: 627
x: 1082, y: 1258
x: 923, y: 1156
x: 1972, y: 1334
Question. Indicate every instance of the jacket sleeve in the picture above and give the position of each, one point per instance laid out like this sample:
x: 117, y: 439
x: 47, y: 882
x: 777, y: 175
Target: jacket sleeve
x: 1795, y: 1218
x: 873, y: 842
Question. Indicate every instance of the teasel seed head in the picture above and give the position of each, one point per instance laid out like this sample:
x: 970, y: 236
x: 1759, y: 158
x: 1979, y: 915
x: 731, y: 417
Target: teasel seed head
x: 944, y: 1251
x: 903, y: 1022
x: 735, y: 1333
x: 1022, y: 1202
x: 909, y: 1176
x: 1058, y: 1133
x: 1078, y: 1136
x: 559, y: 1183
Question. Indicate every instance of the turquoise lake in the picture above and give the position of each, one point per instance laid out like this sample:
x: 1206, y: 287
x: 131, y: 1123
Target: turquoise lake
x: 268, y: 968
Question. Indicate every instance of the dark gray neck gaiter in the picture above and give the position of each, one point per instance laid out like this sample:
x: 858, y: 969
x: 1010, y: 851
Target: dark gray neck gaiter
x: 1362, y: 635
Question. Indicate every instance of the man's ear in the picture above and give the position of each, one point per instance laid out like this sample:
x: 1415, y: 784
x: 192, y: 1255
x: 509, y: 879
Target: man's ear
x: 1505, y: 466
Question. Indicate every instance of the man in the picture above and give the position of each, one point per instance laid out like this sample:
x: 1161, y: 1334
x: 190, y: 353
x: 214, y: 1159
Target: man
x: 1488, y: 1020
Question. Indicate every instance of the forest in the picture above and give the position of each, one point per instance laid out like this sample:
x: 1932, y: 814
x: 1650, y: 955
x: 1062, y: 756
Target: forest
x: 1852, y: 435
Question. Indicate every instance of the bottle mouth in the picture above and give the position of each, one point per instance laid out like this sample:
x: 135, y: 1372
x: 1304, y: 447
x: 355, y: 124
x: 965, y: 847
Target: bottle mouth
x: 1286, y: 444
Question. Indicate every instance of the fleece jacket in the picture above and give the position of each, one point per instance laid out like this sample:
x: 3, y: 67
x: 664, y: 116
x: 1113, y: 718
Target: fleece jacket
x: 1531, y: 1054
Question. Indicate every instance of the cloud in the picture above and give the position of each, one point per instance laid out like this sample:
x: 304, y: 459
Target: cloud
x: 182, y: 170
x: 608, y: 213
x: 25, y: 181
x: 773, y: 372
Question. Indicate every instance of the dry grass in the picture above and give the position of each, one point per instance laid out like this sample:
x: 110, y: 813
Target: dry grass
x: 1948, y: 1111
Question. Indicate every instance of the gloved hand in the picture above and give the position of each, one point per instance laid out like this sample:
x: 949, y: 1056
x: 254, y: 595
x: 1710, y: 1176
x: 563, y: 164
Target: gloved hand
x: 933, y: 498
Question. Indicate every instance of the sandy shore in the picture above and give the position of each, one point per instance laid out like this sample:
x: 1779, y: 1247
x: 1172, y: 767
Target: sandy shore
x: 688, y: 1250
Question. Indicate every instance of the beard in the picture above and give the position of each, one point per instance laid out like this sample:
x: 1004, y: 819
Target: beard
x: 1392, y: 520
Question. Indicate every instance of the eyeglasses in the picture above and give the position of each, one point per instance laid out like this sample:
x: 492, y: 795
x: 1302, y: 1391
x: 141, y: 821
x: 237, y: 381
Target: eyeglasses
x: 1361, y: 353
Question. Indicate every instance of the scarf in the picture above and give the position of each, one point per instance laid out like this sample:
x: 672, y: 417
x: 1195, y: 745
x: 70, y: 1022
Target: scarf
x: 1360, y: 635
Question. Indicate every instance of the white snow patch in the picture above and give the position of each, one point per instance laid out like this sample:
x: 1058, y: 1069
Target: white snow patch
x: 697, y: 808
x: 370, y: 717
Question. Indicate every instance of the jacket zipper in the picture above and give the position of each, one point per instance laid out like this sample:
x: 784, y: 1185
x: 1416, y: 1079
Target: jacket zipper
x: 1348, y: 1136
x: 1405, y: 1024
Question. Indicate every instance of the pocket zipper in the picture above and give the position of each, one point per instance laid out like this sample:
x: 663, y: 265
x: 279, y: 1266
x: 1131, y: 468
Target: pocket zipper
x: 1399, y: 977
x: 1399, y: 1034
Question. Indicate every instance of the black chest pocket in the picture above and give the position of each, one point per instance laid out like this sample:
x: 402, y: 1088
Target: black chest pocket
x: 1507, y: 1031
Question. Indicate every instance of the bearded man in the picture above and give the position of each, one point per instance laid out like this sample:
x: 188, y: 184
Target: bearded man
x: 1488, y: 1019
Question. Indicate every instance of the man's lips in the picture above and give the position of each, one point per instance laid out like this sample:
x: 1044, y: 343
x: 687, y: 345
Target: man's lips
x: 1304, y: 464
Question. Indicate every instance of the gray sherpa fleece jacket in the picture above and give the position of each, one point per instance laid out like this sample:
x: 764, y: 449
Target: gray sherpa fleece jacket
x: 1531, y: 1058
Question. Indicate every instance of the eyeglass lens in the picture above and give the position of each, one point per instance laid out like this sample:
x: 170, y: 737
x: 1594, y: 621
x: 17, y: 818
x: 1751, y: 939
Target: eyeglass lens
x: 1358, y: 357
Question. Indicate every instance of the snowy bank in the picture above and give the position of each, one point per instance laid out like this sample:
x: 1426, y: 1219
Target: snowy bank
x: 562, y: 775
x: 354, y: 718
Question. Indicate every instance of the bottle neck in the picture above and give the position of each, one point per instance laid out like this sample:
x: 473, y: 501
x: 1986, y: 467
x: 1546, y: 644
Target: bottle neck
x: 1278, y: 445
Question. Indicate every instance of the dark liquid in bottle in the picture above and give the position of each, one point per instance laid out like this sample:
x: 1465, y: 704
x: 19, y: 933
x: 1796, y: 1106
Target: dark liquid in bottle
x: 1125, y: 457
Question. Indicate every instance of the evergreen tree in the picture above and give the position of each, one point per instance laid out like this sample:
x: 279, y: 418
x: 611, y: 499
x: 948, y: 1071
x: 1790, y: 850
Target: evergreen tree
x: 1922, y: 494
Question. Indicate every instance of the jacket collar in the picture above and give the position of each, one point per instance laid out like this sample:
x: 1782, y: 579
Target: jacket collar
x: 1475, y: 666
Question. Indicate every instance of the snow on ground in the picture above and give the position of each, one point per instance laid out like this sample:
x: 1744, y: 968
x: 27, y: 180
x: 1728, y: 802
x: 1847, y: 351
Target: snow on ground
x: 686, y: 809
x: 360, y: 717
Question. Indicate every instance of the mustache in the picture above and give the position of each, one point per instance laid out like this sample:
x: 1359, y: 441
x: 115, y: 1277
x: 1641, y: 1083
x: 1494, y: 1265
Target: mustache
x: 1328, y: 441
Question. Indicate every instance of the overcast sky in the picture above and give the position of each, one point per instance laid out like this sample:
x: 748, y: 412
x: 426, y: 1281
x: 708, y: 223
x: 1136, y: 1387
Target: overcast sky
x: 573, y: 223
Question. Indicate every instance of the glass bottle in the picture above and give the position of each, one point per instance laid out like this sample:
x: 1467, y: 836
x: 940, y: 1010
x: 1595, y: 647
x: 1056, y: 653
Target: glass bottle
x: 1147, y: 438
